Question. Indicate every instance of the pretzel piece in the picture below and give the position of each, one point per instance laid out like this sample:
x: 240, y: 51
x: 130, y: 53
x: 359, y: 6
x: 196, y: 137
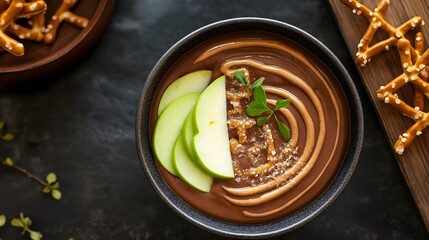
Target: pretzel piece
x: 24, y: 33
x: 11, y: 12
x: 32, y: 8
x: 11, y: 45
x: 38, y: 23
x: 36, y: 10
x: 414, y: 66
x: 376, y: 20
x: 3, y: 5
x: 419, y: 98
x: 63, y: 14
x: 7, y: 17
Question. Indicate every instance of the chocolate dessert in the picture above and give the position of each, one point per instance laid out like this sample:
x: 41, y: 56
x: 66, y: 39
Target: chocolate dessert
x: 274, y: 176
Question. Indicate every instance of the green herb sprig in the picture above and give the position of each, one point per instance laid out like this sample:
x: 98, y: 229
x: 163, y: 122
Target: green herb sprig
x: 25, y: 223
x: 51, y: 185
x: 239, y: 76
x: 5, y: 136
x: 2, y: 220
x: 259, y: 106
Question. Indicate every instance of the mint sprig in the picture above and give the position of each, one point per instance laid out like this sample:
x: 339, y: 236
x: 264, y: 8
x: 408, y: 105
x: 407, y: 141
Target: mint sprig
x: 51, y: 185
x: 239, y: 76
x: 25, y: 223
x: 2, y: 220
x: 259, y: 105
x: 5, y: 136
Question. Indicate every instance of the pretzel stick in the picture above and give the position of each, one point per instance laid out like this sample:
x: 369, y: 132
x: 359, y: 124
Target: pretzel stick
x: 11, y: 12
x: 406, y: 138
x: 63, y: 14
x: 419, y: 98
x: 411, y: 73
x: 24, y: 33
x: 6, y: 18
x: 376, y: 20
x: 3, y: 5
x: 34, y: 9
x: 11, y: 45
x: 414, y: 64
x: 28, y: 9
x: 38, y: 23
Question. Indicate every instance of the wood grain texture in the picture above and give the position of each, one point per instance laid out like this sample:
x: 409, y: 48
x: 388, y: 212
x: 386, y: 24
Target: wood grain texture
x: 414, y: 163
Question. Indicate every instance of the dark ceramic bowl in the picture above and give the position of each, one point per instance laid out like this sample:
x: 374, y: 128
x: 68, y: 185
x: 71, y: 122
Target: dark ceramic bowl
x: 294, y: 220
x: 42, y: 62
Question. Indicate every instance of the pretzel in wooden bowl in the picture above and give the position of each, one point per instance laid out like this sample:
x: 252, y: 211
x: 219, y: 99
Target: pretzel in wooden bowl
x: 35, y: 10
x: 7, y: 17
x: 63, y: 14
x: 376, y: 20
x: 414, y: 69
x: 10, y: 12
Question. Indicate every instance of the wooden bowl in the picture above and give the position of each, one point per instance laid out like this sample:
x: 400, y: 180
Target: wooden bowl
x: 42, y: 62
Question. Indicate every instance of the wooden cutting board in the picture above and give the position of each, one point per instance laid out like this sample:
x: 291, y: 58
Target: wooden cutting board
x: 414, y: 163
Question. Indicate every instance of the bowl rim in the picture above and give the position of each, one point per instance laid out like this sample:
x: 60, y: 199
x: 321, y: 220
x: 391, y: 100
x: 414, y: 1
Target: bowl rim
x: 289, y: 222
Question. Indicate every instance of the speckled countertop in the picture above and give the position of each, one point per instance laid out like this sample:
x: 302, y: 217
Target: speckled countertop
x: 81, y: 126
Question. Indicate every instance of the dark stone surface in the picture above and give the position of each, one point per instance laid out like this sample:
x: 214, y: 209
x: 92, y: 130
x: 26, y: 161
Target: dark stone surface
x: 81, y: 127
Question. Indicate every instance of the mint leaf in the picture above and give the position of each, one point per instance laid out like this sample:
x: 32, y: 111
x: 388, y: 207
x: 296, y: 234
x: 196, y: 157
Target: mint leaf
x: 255, y: 109
x: 2, y: 220
x: 51, y: 178
x: 46, y: 190
x: 239, y: 76
x: 261, y: 120
x: 16, y: 223
x: 257, y: 83
x: 56, y: 194
x: 284, y: 130
x: 8, y: 137
x: 282, y: 103
x: 8, y: 162
x: 259, y: 95
x: 259, y: 105
x: 34, y: 235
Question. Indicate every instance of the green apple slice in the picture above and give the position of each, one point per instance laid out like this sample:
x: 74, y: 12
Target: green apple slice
x: 188, y: 134
x: 194, y: 82
x: 211, y: 143
x: 187, y: 170
x: 169, y: 126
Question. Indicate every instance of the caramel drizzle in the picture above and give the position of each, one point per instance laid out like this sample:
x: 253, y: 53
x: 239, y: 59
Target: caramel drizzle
x: 311, y: 150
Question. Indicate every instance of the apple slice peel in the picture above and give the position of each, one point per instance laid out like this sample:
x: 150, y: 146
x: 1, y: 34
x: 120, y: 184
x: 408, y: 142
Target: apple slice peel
x: 169, y: 126
x: 211, y: 142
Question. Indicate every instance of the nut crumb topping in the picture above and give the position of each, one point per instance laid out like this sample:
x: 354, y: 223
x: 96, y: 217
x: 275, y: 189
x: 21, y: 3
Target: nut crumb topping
x: 258, y: 156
